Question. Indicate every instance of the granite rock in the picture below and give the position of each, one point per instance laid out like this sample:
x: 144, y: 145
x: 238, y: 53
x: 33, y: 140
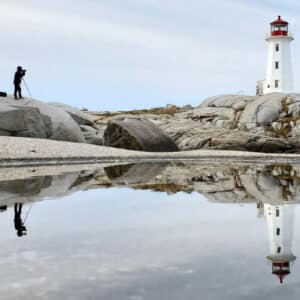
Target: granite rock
x: 137, y: 134
x: 79, y: 116
x: 32, y: 118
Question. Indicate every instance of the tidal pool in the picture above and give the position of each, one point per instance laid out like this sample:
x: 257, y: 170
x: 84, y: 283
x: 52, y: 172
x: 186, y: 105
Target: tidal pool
x: 152, y: 231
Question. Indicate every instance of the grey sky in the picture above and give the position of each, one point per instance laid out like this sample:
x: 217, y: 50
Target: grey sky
x: 113, y: 54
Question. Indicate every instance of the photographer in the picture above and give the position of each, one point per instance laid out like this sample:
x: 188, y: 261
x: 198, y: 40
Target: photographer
x: 20, y: 73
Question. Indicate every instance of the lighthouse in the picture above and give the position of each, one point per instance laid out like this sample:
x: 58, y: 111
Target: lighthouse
x: 280, y: 219
x: 279, y: 76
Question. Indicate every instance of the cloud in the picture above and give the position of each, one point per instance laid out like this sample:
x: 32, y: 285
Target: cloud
x: 134, y: 53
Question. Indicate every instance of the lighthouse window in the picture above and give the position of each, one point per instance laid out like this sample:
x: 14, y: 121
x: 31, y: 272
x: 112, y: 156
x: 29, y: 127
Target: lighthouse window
x: 276, y: 64
x: 278, y: 249
x: 276, y: 83
x: 277, y: 47
x: 277, y: 212
x: 278, y: 231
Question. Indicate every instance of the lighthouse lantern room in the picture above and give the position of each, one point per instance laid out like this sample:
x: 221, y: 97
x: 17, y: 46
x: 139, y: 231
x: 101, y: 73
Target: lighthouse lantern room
x: 279, y: 77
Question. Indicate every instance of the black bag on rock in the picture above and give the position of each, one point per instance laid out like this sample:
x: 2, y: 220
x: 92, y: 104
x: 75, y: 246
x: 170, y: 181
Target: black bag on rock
x: 3, y: 94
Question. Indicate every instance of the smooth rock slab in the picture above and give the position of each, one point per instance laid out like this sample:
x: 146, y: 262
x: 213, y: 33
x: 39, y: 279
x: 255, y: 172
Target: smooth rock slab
x: 32, y: 118
x: 225, y: 101
x: 77, y: 115
x: 138, y: 134
x: 222, y: 113
x: 262, y: 111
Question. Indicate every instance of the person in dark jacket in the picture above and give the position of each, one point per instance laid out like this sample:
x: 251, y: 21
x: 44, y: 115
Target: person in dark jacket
x: 20, y: 73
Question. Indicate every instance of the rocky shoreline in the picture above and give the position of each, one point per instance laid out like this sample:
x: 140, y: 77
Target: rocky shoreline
x: 267, y: 124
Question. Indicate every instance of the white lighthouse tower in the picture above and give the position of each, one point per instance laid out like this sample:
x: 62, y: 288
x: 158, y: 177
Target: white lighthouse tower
x: 280, y: 219
x: 279, y: 76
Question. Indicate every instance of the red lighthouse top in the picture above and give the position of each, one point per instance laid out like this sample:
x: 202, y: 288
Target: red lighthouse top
x: 281, y: 269
x: 279, y: 27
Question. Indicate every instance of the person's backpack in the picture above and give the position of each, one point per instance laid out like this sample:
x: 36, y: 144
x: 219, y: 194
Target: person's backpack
x: 3, y: 94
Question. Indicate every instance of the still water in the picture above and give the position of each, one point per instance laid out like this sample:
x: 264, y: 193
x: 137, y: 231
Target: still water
x: 152, y: 231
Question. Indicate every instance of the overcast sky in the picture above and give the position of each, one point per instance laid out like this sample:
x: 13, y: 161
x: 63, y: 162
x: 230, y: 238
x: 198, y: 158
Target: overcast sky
x: 121, y: 54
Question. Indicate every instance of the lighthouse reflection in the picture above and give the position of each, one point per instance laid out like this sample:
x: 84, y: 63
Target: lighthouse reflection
x: 280, y: 222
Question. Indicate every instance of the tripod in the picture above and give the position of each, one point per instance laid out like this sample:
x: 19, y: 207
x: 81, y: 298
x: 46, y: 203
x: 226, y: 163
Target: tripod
x: 27, y: 88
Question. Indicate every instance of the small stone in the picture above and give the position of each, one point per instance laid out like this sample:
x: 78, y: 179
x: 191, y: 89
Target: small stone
x: 282, y: 115
x: 283, y: 182
x: 237, y: 116
x: 250, y: 126
x: 239, y: 106
x: 285, y: 125
x: 288, y: 100
x: 219, y: 123
x: 276, y: 126
x: 276, y: 172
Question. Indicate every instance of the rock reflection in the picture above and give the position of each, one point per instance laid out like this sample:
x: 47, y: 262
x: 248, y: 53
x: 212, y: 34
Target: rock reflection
x: 226, y: 183
x: 134, y: 173
x: 274, y: 188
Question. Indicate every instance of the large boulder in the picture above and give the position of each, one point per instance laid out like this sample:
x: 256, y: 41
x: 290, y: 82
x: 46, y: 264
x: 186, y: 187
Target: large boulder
x: 262, y: 111
x: 77, y: 115
x: 25, y: 122
x: 137, y: 134
x: 32, y: 118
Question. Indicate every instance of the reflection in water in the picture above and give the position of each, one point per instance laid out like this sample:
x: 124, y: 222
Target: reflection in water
x: 223, y: 183
x: 275, y: 189
x: 3, y: 208
x: 19, y: 224
x: 134, y: 173
x: 280, y: 219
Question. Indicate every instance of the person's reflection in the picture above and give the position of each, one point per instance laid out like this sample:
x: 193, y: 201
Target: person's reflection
x: 3, y: 208
x: 19, y: 224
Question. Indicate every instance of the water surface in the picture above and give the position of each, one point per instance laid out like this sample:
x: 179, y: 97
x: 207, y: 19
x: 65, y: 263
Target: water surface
x: 152, y: 231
